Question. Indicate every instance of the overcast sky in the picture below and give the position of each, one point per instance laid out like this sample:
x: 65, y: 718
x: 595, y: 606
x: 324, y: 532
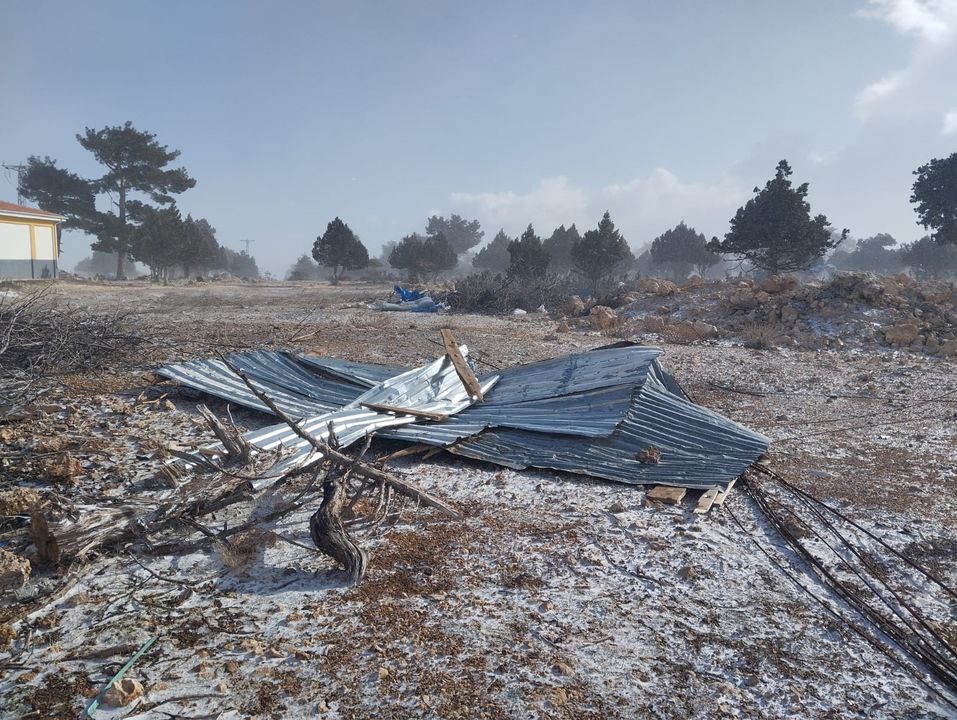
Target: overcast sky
x: 290, y: 113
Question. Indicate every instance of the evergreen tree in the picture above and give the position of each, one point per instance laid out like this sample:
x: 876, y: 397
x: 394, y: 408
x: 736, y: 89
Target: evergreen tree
x: 494, y: 256
x: 559, y: 248
x: 682, y: 249
x: 423, y: 257
x: 156, y: 240
x: 528, y: 258
x: 340, y: 249
x: 601, y: 252
x: 135, y: 162
x: 774, y: 231
x: 874, y: 254
x: 935, y: 194
x: 303, y: 269
x: 461, y: 234
x: 59, y: 191
x: 930, y: 259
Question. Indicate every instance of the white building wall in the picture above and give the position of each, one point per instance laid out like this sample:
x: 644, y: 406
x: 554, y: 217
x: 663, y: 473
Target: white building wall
x: 14, y: 241
x: 43, y: 237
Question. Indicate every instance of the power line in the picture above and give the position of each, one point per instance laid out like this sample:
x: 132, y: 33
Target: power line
x: 246, y: 243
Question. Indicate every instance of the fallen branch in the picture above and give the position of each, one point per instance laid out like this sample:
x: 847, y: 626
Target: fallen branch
x: 356, y: 466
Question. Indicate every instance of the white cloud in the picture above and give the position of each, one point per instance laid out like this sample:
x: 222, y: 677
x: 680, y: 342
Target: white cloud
x: 928, y: 19
x: 925, y: 84
x: 642, y: 208
x: 950, y: 123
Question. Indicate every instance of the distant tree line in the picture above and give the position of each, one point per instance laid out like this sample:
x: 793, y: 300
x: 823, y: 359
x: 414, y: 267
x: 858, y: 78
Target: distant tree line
x: 142, y: 222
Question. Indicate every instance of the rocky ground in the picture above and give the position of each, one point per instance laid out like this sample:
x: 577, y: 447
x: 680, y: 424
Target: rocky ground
x: 556, y: 596
x: 848, y: 311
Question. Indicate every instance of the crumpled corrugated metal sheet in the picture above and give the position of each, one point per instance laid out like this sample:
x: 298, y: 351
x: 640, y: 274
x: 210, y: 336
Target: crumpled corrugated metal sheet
x: 589, y: 413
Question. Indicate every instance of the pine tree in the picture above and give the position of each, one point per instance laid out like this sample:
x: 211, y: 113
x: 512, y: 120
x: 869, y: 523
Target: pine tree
x: 528, y: 258
x: 601, y: 252
x: 494, y: 256
x: 935, y: 194
x: 340, y: 249
x: 774, y: 231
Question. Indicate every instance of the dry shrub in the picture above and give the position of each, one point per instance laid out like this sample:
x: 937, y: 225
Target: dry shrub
x: 486, y: 292
x: 41, y: 339
x: 759, y: 336
x: 375, y: 321
x: 238, y: 554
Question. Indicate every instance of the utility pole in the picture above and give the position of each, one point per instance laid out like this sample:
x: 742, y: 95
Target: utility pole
x: 246, y: 243
x: 19, y: 169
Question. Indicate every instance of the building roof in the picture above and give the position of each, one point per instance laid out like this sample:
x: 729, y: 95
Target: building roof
x: 22, y: 211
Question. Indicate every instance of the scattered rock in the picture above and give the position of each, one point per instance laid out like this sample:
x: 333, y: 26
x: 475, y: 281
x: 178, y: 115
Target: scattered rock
x: 63, y: 468
x: 901, y: 335
x: 562, y: 668
x: 776, y: 284
x: 653, y: 324
x: 603, y: 317
x: 617, y: 507
x: 14, y: 571
x: 693, y: 283
x: 575, y: 307
x: 18, y: 501
x: 743, y: 299
x: 656, y: 286
x: 124, y: 692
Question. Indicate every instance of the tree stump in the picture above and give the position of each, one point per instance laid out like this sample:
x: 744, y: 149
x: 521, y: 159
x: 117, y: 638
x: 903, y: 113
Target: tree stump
x: 330, y: 536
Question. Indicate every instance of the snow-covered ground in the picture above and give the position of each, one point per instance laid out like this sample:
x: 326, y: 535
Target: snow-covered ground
x: 555, y: 596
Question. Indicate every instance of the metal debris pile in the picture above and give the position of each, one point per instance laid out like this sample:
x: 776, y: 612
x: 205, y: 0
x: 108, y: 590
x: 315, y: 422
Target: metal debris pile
x: 612, y: 413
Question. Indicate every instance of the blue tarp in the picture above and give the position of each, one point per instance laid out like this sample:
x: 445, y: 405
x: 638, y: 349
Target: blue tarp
x: 407, y: 295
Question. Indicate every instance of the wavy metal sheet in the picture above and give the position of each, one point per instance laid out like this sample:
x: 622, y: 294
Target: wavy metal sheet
x: 589, y: 413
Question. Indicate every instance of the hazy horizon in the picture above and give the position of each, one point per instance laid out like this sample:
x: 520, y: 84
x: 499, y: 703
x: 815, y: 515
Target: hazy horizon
x: 289, y: 114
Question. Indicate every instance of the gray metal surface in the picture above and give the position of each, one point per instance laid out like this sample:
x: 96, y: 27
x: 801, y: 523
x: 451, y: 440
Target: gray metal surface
x: 434, y: 388
x: 589, y: 413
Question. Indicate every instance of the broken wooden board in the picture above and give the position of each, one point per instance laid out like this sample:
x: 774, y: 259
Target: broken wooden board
x: 461, y: 367
x: 666, y: 494
x: 723, y: 494
x: 406, y: 411
x: 706, y: 500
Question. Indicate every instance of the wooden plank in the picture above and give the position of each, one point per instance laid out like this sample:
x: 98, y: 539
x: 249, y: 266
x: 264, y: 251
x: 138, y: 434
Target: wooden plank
x: 405, y: 411
x: 722, y: 495
x: 461, y: 367
x: 666, y: 494
x: 706, y: 500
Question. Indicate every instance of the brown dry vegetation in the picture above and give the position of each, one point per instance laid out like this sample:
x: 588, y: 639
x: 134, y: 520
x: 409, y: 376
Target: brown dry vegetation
x: 554, y: 597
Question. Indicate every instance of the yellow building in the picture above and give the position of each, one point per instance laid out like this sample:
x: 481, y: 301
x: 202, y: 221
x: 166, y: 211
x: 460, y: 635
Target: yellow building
x: 28, y: 242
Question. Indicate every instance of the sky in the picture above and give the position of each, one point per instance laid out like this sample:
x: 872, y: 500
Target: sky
x: 289, y: 114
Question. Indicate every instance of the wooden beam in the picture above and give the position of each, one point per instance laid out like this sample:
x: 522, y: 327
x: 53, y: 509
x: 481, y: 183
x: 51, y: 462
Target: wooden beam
x: 405, y: 411
x: 461, y: 367
x: 667, y: 494
x: 707, y: 500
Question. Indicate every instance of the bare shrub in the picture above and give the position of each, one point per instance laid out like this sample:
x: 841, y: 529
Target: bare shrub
x: 490, y: 293
x: 41, y: 339
x: 759, y: 336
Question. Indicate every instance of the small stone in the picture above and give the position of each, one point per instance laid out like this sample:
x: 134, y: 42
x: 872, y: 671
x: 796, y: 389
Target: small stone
x: 603, y: 318
x: 14, y: 571
x: 123, y: 693
x: 232, y: 667
x: 563, y: 668
x: 617, y: 507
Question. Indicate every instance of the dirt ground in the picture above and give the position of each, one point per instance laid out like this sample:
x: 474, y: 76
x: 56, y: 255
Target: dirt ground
x: 556, y: 596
